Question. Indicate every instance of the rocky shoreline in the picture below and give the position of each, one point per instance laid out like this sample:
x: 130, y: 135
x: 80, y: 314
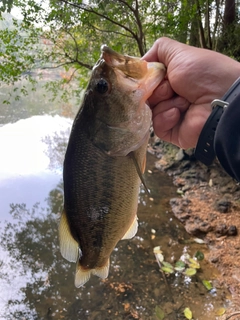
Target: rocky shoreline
x: 208, y: 205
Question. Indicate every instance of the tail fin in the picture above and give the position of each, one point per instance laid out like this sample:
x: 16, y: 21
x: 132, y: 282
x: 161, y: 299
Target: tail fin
x: 82, y: 276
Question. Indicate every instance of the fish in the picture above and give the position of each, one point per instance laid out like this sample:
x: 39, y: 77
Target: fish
x: 104, y: 161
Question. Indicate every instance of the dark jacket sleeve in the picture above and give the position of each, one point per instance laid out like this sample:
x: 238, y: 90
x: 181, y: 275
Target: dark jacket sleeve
x: 227, y: 139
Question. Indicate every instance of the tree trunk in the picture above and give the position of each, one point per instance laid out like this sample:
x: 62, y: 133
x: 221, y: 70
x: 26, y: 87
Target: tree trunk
x: 228, y: 41
x: 200, y: 25
x: 229, y: 13
x: 207, y: 25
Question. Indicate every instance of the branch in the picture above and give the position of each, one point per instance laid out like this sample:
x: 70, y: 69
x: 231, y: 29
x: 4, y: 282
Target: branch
x: 75, y: 42
x: 66, y: 55
x: 58, y: 66
x: 233, y: 314
x: 89, y: 9
x: 109, y: 31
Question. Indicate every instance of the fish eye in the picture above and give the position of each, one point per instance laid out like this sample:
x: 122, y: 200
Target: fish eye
x: 102, y: 86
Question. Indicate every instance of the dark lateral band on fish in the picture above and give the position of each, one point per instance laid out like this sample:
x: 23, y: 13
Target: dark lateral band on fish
x: 105, y: 160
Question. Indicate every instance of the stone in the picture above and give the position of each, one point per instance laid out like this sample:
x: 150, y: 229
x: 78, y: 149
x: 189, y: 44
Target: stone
x: 232, y: 231
x: 223, y: 205
x: 221, y: 230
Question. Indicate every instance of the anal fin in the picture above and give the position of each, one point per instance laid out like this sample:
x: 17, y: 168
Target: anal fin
x: 132, y: 230
x: 68, y: 245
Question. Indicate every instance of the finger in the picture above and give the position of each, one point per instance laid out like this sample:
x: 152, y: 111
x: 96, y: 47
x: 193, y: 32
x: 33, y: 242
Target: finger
x: 175, y: 102
x: 163, y: 92
x: 162, y: 50
x: 164, y: 122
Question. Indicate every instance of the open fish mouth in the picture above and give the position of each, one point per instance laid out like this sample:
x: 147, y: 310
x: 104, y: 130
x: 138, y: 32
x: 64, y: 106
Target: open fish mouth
x: 132, y: 67
x: 146, y: 75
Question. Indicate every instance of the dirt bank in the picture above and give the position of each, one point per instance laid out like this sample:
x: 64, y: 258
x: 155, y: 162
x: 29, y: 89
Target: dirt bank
x: 208, y: 204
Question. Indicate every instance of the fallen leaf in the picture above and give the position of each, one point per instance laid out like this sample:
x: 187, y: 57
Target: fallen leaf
x: 159, y: 313
x: 187, y: 313
x: 198, y: 240
x: 167, y: 269
x: 179, y: 266
x: 190, y: 272
x: 220, y: 311
x: 199, y: 255
x: 207, y: 285
x: 193, y: 263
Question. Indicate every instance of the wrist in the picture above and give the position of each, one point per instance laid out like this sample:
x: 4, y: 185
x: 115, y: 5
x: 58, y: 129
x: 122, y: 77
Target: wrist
x: 205, y: 151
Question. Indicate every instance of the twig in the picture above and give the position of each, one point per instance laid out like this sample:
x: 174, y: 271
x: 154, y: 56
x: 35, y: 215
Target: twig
x: 165, y: 280
x: 232, y: 315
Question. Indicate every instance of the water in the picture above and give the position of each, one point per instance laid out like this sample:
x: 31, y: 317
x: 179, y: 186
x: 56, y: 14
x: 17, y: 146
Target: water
x: 37, y: 283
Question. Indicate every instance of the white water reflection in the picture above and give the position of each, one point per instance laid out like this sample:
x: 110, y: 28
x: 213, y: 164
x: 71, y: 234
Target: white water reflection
x: 25, y: 178
x: 22, y: 146
x: 25, y: 175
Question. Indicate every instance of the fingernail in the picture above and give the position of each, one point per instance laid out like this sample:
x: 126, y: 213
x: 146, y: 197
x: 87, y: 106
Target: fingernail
x: 169, y: 113
x: 163, y: 89
x: 180, y: 102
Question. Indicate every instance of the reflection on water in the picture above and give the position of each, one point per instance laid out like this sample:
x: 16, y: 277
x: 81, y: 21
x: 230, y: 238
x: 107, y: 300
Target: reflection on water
x: 37, y: 283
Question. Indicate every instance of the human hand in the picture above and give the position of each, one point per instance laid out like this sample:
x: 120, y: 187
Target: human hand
x: 195, y: 77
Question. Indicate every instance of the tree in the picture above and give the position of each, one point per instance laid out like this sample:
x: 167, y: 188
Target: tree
x: 6, y: 5
x: 68, y: 34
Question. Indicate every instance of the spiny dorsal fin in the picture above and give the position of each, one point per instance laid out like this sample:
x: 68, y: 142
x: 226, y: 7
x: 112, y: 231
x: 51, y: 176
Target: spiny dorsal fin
x: 68, y: 245
x: 139, y: 172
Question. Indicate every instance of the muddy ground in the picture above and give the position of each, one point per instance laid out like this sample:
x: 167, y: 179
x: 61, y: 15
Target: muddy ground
x: 208, y: 204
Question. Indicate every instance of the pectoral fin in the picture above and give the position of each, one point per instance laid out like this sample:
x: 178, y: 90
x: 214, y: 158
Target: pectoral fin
x: 139, y: 171
x: 82, y: 275
x: 68, y: 245
x: 132, y: 230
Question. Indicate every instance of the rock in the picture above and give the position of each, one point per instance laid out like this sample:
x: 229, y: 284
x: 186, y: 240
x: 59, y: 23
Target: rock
x: 214, y: 259
x: 205, y: 227
x: 232, y: 231
x: 180, y: 155
x: 190, y: 153
x: 198, y: 229
x: 221, y: 230
x: 175, y: 202
x: 186, y: 188
x: 223, y: 205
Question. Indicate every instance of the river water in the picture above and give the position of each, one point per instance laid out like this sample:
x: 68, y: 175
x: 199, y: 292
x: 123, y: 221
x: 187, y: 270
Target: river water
x: 37, y: 283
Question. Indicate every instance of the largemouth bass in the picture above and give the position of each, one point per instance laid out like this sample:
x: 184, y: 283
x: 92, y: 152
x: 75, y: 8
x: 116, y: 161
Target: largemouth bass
x: 105, y: 158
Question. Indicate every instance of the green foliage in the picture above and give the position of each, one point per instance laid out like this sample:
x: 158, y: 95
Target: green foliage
x: 6, y: 5
x: 59, y: 33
